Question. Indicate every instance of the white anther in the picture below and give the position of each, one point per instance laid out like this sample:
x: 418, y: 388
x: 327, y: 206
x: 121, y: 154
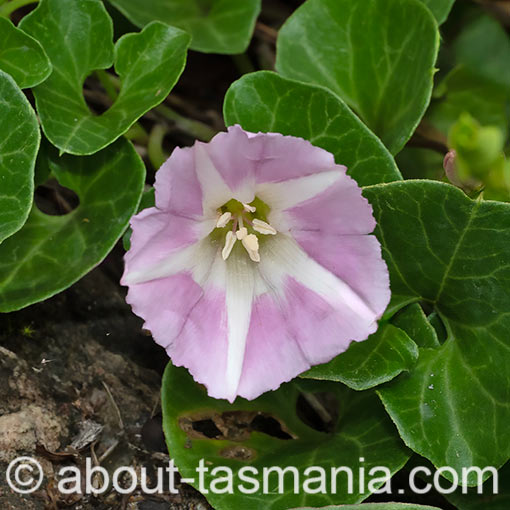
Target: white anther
x: 251, y: 244
x: 263, y: 228
x: 241, y: 233
x: 230, y: 240
x: 224, y: 219
x: 249, y: 208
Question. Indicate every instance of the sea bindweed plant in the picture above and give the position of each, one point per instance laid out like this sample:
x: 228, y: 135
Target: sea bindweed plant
x: 329, y: 275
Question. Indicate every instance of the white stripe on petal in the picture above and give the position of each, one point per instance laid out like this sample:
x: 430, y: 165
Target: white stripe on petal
x: 196, y: 259
x: 281, y: 256
x: 283, y: 195
x: 215, y: 191
x: 240, y: 279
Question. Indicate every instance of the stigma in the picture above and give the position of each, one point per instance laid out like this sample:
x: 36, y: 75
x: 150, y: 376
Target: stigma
x: 245, y: 227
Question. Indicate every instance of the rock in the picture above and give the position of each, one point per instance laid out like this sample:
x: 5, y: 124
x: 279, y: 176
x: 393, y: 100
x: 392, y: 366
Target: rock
x: 79, y: 378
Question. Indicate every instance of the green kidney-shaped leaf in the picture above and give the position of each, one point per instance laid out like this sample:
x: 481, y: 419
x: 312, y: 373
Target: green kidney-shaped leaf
x: 452, y: 252
x: 377, y: 360
x: 362, y: 431
x: 216, y: 26
x: 439, y: 8
x: 264, y: 101
x: 376, y: 506
x: 21, y: 56
x: 377, y: 55
x: 52, y: 252
x: 19, y: 142
x: 77, y: 36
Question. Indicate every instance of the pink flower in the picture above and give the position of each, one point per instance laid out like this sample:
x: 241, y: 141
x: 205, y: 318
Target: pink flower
x: 256, y: 262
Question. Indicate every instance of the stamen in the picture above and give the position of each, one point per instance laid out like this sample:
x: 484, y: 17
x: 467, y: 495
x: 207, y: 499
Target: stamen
x: 230, y: 240
x: 263, y: 228
x: 251, y: 244
x: 224, y: 219
x: 241, y: 233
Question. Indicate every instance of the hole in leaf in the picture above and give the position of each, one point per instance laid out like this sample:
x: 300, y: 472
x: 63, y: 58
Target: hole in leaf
x: 318, y: 410
x: 207, y: 428
x: 56, y: 200
x: 233, y: 426
x: 270, y: 426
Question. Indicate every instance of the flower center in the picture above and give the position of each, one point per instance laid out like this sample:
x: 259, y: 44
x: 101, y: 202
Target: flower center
x: 245, y: 222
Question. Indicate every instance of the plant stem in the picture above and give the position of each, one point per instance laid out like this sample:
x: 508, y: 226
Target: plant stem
x: 155, y: 150
x: 107, y: 83
x: 137, y: 133
x: 7, y: 9
x: 194, y: 128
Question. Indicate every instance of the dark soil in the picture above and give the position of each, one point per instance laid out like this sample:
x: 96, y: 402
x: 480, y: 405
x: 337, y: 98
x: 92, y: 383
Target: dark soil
x: 79, y: 378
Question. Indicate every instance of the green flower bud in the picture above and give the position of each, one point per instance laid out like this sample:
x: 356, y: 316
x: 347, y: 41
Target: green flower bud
x: 479, y: 158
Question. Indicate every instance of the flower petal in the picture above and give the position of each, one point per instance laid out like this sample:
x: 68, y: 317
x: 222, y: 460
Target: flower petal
x: 165, y: 304
x: 177, y: 187
x: 215, y: 191
x: 340, y: 209
x: 244, y: 158
x: 284, y: 195
x: 195, y: 181
x: 327, y: 328
x: 281, y: 158
x: 248, y: 320
x: 273, y: 355
x: 201, y: 344
x: 197, y: 259
x: 235, y: 156
x: 156, y: 236
x: 355, y: 259
x: 281, y: 258
x: 198, y: 307
x: 305, y: 316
